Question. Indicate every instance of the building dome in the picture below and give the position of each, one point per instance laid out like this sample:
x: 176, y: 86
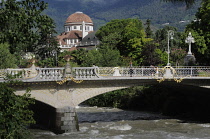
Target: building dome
x: 78, y: 17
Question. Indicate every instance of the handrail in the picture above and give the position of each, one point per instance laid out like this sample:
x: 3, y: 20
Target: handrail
x: 85, y: 73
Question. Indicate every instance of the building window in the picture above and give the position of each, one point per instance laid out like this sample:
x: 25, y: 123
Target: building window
x: 80, y: 27
x: 87, y: 28
x: 75, y: 27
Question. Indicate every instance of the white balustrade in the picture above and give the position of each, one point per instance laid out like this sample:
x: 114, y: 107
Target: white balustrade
x: 85, y: 73
x: 50, y: 73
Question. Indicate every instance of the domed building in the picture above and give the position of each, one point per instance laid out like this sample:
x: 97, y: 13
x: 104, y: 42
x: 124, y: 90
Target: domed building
x: 77, y: 26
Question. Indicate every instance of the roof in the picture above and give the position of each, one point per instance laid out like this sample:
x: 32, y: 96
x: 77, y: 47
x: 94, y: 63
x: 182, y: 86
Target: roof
x: 69, y: 35
x: 78, y: 17
x: 90, y: 39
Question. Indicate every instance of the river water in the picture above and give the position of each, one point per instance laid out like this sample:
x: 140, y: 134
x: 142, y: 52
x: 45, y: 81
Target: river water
x: 112, y: 123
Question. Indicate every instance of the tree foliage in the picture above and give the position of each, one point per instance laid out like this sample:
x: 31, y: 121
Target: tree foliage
x: 7, y: 60
x: 24, y: 26
x: 125, y: 35
x: 14, y: 113
x: 103, y: 56
x: 200, y: 29
x: 151, y: 55
x: 148, y: 29
x: 177, y: 56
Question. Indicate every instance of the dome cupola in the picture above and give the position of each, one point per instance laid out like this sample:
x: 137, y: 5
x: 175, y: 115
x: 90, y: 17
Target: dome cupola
x: 78, y: 17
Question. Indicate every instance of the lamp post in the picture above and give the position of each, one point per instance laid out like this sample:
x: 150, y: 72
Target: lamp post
x: 170, y: 36
x: 189, y: 40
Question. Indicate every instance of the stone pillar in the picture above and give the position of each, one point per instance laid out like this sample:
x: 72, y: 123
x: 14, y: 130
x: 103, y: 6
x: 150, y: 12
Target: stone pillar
x: 32, y: 72
x: 189, y: 60
x: 66, y: 120
x: 67, y: 72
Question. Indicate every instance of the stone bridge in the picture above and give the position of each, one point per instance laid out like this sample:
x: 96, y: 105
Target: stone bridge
x: 64, y: 88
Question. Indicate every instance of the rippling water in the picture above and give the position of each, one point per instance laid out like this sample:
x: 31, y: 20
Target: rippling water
x: 111, y: 123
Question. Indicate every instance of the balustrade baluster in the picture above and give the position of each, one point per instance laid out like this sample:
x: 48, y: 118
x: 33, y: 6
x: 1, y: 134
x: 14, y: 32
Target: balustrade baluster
x: 44, y: 74
x: 76, y: 73
x: 92, y: 73
x: 191, y: 71
x: 83, y: 73
x: 59, y: 74
x: 40, y: 73
x: 55, y: 74
x: 52, y: 74
x: 89, y: 73
x: 80, y: 72
x: 48, y: 74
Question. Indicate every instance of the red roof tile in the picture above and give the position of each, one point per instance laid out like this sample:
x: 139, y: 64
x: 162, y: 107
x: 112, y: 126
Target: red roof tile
x: 78, y: 17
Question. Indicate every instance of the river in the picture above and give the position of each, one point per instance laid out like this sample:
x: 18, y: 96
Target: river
x: 113, y: 123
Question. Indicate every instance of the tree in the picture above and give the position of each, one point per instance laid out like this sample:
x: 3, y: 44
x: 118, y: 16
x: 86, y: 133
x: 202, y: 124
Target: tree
x: 148, y: 30
x: 161, y: 37
x: 200, y: 29
x: 109, y: 57
x: 177, y: 55
x: 103, y: 57
x: 14, y: 113
x: 126, y: 35
x: 7, y: 60
x: 150, y: 55
x: 79, y: 56
x: 24, y: 26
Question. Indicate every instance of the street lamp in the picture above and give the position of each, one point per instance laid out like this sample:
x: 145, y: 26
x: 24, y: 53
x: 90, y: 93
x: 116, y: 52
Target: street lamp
x: 170, y: 36
x: 189, y: 40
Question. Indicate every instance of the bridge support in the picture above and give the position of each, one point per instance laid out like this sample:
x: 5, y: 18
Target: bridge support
x: 66, y: 120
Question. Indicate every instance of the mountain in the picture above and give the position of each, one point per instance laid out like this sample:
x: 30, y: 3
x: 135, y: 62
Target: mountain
x: 102, y: 11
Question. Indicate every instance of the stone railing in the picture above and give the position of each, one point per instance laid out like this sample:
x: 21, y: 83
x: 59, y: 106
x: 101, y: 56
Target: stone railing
x: 193, y: 71
x: 48, y: 74
x: 85, y: 73
x: 19, y: 73
x: 127, y: 71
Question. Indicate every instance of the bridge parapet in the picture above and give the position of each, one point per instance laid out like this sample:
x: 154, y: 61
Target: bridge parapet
x: 127, y: 71
x: 85, y: 72
x: 19, y: 73
x: 155, y: 71
x: 48, y: 74
x: 92, y: 73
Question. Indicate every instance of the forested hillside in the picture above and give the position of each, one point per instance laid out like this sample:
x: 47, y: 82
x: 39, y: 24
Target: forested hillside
x: 101, y: 11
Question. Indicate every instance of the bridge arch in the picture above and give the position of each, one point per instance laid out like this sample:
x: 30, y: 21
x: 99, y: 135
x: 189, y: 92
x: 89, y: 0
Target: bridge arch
x: 86, y: 90
x: 49, y: 93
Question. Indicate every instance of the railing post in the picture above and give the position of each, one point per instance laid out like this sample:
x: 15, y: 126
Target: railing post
x: 142, y: 72
x: 191, y: 72
x: 67, y: 70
